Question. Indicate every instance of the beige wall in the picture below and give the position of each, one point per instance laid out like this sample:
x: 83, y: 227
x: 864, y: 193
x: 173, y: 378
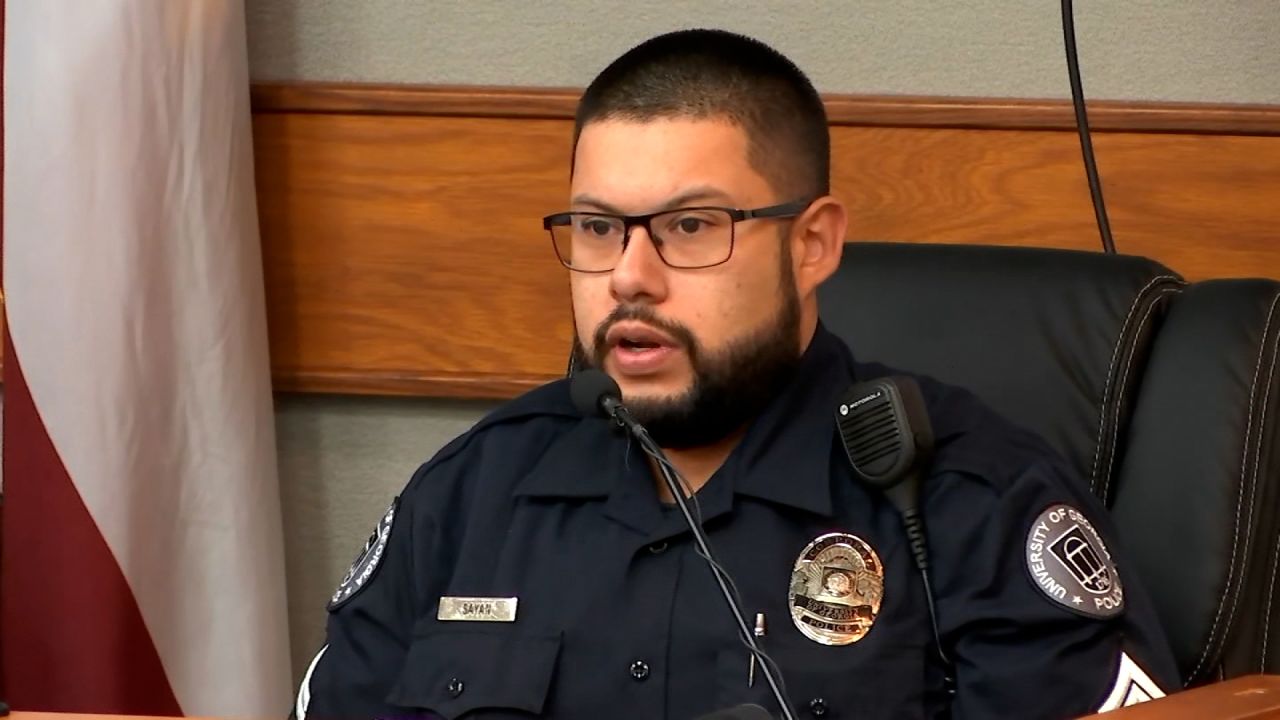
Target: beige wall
x: 1220, y: 51
x: 342, y: 459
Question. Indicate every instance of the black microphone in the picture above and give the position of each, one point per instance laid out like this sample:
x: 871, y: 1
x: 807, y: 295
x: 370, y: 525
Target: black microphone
x: 888, y: 437
x: 739, y: 712
x: 889, y: 441
x: 594, y: 393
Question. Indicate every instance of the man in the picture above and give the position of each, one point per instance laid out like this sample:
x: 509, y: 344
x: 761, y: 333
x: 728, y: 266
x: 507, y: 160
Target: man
x: 535, y: 565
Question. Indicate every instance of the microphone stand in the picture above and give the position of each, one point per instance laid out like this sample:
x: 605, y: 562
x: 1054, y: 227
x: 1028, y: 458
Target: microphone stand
x: 619, y: 413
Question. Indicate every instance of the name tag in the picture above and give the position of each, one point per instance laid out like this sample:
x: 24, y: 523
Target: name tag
x: 477, y: 609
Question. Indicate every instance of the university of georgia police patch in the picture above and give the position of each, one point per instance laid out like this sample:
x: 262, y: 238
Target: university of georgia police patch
x: 366, y: 563
x: 1070, y: 564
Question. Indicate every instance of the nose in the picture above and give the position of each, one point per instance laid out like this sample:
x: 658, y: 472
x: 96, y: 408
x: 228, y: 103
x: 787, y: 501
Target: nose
x: 640, y: 275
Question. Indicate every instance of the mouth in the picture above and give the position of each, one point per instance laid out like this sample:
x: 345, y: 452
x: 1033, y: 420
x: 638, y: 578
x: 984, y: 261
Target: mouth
x: 639, y: 349
x: 637, y: 336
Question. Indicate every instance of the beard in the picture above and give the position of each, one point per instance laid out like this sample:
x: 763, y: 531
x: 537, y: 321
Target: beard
x: 731, y: 385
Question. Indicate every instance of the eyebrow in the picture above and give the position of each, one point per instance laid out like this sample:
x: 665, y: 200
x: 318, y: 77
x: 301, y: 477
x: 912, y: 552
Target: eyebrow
x: 702, y: 193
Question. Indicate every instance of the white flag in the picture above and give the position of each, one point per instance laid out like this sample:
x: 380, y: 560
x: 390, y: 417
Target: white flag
x: 144, y: 568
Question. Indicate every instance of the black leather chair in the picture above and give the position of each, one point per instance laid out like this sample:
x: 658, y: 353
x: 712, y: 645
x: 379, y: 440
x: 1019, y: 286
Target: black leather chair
x: 1164, y: 394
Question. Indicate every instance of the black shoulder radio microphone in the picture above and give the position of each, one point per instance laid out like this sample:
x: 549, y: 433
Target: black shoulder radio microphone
x: 594, y: 393
x: 889, y: 440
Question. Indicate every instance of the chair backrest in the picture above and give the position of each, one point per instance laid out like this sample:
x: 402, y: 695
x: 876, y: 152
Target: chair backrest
x: 1052, y: 339
x: 1160, y: 394
x: 1197, y: 487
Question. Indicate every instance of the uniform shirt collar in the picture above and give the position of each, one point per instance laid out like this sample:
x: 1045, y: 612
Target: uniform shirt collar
x: 587, y: 461
x: 783, y: 458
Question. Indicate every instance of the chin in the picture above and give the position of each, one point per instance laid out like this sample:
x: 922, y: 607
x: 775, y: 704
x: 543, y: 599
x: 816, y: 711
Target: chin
x: 647, y: 388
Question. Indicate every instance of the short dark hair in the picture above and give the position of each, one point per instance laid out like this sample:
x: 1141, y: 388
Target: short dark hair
x: 719, y: 74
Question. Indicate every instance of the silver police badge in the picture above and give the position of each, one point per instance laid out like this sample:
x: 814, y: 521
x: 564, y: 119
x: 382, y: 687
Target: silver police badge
x: 1070, y: 564
x: 836, y: 588
x: 366, y: 563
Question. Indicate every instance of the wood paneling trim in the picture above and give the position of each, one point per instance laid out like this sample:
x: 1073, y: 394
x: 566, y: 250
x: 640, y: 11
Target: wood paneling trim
x: 431, y: 100
x: 358, y: 381
x: 851, y: 110
x: 1015, y: 114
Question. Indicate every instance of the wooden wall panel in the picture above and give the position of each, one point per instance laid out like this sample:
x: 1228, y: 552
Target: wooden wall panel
x: 1205, y: 205
x: 406, y: 255
x: 404, y: 252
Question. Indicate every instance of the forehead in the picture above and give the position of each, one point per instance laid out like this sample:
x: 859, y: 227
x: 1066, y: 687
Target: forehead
x: 639, y: 164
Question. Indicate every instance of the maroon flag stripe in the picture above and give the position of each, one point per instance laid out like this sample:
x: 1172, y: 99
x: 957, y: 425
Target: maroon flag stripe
x: 71, y: 636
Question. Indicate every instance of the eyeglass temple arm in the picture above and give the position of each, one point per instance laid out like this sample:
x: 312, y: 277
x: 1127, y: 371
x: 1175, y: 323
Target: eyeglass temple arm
x: 791, y: 208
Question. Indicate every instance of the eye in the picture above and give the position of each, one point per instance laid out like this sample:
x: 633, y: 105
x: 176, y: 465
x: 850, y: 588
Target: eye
x: 597, y: 226
x: 689, y: 225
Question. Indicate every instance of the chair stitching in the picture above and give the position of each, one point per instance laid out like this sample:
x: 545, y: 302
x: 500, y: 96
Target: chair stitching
x: 1257, y: 456
x: 1257, y: 466
x: 1106, y: 391
x: 1244, y: 469
x: 1253, y: 486
x: 1271, y: 589
x: 1124, y: 381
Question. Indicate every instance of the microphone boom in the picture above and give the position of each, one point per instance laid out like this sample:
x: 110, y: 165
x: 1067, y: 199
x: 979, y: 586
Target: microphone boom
x: 594, y: 393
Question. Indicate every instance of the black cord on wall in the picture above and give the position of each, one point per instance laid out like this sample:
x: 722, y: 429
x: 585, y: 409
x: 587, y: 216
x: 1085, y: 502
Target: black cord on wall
x: 1082, y: 125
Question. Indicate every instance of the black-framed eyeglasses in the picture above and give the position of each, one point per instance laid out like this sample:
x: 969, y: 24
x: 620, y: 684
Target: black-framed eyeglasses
x: 686, y: 238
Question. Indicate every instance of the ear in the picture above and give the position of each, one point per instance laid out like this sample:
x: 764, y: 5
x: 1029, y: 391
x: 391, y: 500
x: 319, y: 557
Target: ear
x: 817, y: 242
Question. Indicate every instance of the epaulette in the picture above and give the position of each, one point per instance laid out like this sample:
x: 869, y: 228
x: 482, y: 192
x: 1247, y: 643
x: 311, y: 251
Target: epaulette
x: 550, y: 400
x: 970, y: 437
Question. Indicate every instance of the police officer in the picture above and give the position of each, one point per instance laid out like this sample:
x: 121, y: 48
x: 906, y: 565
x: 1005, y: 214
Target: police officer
x: 535, y: 565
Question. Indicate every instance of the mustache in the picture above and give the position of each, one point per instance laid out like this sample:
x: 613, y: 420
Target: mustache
x: 642, y: 313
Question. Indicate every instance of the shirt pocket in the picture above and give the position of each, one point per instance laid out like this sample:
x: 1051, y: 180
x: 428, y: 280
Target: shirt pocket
x: 831, y: 682
x: 491, y: 674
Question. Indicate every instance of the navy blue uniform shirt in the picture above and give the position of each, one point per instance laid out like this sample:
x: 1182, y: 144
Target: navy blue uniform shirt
x: 618, y: 617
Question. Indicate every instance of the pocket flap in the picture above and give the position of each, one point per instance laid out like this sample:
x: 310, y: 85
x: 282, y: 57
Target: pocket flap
x: 456, y: 672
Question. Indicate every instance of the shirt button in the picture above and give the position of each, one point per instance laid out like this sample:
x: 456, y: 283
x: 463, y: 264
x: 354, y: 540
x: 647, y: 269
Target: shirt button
x: 639, y: 670
x: 658, y: 548
x: 455, y: 687
x: 818, y: 707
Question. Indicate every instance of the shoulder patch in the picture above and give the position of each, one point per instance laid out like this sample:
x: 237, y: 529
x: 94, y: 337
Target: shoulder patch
x: 1068, y: 562
x: 366, y: 563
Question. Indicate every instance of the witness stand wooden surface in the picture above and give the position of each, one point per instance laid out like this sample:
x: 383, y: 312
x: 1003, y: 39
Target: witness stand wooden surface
x: 1254, y: 697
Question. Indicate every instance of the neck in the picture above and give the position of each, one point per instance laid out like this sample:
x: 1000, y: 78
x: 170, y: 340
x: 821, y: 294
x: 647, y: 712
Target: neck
x: 695, y: 465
